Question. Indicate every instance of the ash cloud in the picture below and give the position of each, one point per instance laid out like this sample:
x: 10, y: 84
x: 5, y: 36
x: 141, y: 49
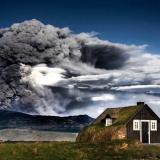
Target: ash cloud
x: 52, y: 71
x: 32, y: 42
x: 103, y: 56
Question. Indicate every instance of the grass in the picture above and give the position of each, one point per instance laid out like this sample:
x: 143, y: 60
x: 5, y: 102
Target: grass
x: 121, y: 115
x: 78, y: 151
x: 126, y: 113
x: 98, y: 133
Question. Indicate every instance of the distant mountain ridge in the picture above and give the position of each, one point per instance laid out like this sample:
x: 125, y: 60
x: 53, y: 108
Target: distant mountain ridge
x: 9, y: 119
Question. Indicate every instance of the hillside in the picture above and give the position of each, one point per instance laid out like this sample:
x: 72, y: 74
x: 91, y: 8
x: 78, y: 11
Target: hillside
x: 12, y: 120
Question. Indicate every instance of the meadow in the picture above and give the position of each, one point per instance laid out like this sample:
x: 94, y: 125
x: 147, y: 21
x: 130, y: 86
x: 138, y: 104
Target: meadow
x: 118, y: 150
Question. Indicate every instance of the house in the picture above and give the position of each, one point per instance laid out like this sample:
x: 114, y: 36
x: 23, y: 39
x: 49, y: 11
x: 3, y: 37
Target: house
x: 137, y: 122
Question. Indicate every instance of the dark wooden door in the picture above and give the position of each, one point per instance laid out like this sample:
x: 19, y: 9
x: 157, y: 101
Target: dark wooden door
x: 145, y: 135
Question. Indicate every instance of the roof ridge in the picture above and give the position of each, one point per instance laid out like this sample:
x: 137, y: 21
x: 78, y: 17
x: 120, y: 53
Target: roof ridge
x: 121, y: 107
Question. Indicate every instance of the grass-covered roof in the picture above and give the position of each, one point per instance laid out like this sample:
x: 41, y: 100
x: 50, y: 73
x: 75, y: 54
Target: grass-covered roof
x: 120, y: 115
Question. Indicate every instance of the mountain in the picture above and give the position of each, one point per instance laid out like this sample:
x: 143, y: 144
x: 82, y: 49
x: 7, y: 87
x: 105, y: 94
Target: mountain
x: 10, y: 119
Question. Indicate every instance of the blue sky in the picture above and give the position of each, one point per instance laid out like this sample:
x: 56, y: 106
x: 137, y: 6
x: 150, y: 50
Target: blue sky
x: 122, y: 21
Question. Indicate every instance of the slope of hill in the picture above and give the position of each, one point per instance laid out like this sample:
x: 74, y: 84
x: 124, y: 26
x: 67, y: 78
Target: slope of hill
x: 10, y: 120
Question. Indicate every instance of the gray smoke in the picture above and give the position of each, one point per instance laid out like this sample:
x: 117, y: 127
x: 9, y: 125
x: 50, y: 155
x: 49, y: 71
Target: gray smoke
x: 49, y: 70
x: 32, y: 42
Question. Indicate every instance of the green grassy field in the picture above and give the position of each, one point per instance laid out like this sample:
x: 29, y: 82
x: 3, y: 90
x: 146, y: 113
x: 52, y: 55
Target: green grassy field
x: 77, y: 151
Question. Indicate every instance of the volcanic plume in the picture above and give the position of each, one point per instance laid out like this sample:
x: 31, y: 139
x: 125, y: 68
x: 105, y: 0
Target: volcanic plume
x: 52, y: 71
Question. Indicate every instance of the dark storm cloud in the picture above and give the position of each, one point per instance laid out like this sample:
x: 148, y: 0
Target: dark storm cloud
x: 104, y: 56
x: 33, y: 43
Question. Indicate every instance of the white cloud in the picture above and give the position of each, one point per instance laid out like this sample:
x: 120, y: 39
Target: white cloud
x: 123, y: 88
x: 45, y: 76
x: 103, y: 97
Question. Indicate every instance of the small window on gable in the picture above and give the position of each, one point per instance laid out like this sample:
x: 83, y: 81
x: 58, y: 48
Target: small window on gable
x: 153, y: 125
x: 136, y: 125
x: 108, y: 121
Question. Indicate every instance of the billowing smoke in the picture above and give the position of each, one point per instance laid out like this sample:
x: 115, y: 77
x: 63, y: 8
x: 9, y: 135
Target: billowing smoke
x: 51, y: 71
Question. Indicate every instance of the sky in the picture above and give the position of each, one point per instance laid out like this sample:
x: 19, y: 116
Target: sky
x: 122, y: 21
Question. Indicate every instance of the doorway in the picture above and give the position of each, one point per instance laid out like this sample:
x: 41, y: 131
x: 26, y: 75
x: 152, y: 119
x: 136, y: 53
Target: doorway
x: 145, y: 131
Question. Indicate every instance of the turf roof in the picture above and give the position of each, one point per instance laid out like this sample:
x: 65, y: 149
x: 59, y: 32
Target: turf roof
x: 120, y: 115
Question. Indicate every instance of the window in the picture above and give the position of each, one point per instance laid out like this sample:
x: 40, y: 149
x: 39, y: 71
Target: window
x: 153, y: 125
x: 108, y: 121
x: 136, y: 125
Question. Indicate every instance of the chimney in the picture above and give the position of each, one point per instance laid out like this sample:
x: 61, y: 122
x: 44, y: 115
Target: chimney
x: 140, y: 103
